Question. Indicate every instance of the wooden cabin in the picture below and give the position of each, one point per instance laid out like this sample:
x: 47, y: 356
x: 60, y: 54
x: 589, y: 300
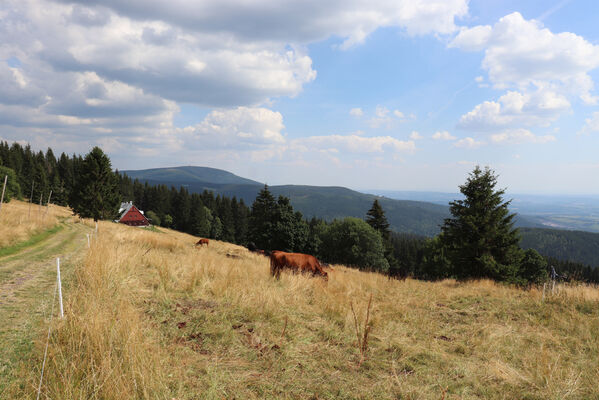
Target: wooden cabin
x: 131, y: 215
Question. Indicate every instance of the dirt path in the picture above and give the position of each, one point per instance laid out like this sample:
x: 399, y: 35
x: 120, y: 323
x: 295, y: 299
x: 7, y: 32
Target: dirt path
x: 27, y: 282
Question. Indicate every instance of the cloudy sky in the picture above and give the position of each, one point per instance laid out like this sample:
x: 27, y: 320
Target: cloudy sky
x: 369, y: 94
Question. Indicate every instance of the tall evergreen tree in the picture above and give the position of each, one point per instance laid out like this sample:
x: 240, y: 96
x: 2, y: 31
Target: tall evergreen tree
x: 97, y: 191
x: 377, y: 219
x: 262, y: 219
x: 480, y: 240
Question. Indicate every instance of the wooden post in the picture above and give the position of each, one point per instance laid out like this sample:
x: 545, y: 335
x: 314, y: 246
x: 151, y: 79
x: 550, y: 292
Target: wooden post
x: 544, y: 286
x: 59, y: 287
x: 3, y: 189
x: 30, y: 199
x: 48, y: 204
x: 553, y: 288
x: 88, y: 245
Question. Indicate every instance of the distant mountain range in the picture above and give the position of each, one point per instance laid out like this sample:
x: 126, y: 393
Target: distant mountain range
x: 572, y: 212
x: 328, y: 202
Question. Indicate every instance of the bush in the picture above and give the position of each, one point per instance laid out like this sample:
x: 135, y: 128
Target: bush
x: 153, y: 217
x: 353, y: 242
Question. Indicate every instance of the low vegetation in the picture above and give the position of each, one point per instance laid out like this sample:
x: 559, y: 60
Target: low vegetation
x: 19, y: 221
x: 148, y: 316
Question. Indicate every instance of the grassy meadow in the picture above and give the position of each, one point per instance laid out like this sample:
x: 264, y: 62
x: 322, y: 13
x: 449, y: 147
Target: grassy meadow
x: 150, y: 316
x: 19, y: 221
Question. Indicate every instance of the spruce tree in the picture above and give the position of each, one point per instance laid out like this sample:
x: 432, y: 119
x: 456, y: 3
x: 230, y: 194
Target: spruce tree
x: 262, y: 219
x: 480, y: 240
x: 375, y: 217
x: 97, y: 191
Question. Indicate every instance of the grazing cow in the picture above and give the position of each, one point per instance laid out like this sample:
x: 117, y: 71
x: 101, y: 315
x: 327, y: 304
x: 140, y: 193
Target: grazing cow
x: 202, y: 242
x: 296, y: 262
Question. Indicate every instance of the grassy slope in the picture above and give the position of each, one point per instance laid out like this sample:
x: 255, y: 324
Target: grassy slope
x: 149, y: 316
x: 27, y: 279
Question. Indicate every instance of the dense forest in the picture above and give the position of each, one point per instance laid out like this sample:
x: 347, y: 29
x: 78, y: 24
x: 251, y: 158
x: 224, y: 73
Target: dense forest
x: 272, y: 223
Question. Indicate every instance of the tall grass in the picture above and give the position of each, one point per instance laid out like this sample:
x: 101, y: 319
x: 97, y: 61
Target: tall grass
x: 19, y: 220
x: 151, y: 316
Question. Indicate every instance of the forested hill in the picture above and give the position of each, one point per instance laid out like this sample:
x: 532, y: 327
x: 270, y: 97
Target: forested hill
x: 190, y: 174
x: 576, y: 246
x: 330, y: 202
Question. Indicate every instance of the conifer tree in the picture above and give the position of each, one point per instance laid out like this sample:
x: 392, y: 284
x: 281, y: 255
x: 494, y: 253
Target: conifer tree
x: 480, y: 240
x: 97, y: 192
x: 376, y: 218
x: 262, y: 218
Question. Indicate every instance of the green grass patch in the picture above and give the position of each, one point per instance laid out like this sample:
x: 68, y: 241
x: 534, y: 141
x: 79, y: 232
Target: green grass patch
x: 33, y: 240
x: 152, y: 228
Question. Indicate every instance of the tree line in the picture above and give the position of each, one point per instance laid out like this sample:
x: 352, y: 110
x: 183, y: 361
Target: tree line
x: 93, y: 190
x: 478, y: 241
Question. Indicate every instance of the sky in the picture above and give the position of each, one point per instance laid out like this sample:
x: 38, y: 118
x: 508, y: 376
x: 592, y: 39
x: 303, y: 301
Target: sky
x: 374, y: 94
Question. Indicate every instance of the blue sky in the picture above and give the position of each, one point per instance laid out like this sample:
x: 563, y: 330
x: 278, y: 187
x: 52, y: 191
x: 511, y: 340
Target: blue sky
x: 391, y: 95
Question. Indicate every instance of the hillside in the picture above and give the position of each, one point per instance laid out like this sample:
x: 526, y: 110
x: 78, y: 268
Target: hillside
x: 190, y: 174
x: 564, y: 245
x: 408, y: 216
x: 150, y: 316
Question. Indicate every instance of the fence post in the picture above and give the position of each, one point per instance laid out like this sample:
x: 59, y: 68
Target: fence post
x: 59, y: 287
x: 30, y: 200
x: 88, y: 245
x: 544, y: 286
x: 3, y: 189
x: 48, y: 204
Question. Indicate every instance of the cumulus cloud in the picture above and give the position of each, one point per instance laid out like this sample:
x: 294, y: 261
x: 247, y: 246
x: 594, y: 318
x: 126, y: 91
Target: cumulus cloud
x: 469, y: 143
x: 416, y: 136
x: 356, y: 144
x: 356, y: 112
x: 514, y: 108
x: 237, y: 128
x: 117, y: 70
x: 522, y: 53
x: 518, y: 136
x: 591, y: 124
x: 443, y: 135
x: 296, y: 21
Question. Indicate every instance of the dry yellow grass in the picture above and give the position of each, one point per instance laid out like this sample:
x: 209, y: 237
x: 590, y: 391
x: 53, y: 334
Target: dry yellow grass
x: 20, y: 220
x: 150, y: 316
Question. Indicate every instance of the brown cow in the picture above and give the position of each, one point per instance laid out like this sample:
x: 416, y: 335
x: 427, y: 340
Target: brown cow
x: 202, y: 242
x: 296, y: 262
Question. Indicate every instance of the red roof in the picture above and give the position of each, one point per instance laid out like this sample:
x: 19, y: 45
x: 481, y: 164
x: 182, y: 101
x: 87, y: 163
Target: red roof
x: 134, y: 217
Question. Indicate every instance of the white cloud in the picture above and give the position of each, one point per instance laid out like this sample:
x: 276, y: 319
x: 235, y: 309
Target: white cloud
x: 513, y: 109
x: 381, y: 118
x: 522, y: 53
x: 356, y: 144
x: 443, y: 135
x: 237, y: 128
x: 469, y: 143
x: 299, y: 22
x: 398, y: 114
x: 118, y: 69
x: 518, y: 136
x: 591, y: 124
x: 356, y: 112
x: 416, y: 136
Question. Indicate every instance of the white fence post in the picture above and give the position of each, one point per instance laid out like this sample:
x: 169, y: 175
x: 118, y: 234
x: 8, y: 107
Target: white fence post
x: 59, y: 287
x: 88, y: 245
